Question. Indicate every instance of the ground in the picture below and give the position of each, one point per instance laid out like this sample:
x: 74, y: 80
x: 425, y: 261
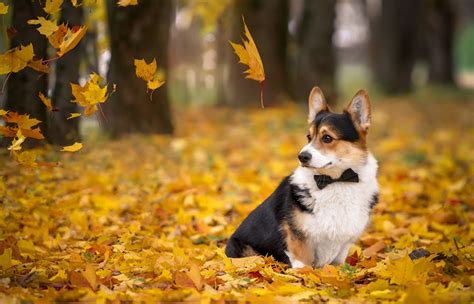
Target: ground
x: 147, y: 217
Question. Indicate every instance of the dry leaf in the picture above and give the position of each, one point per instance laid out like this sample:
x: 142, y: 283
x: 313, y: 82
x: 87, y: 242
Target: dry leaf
x: 249, y: 55
x: 72, y: 148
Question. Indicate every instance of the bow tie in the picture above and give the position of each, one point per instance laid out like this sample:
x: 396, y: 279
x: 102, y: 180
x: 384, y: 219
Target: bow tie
x: 347, y: 176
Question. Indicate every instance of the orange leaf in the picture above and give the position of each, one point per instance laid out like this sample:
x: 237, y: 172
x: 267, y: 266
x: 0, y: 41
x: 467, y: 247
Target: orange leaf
x: 249, y: 55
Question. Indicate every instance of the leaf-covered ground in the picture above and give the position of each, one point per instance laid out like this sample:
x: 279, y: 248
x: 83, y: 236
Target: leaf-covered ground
x: 146, y: 218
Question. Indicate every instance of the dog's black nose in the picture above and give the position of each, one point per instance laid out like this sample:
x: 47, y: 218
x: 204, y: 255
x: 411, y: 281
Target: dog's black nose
x: 304, y: 157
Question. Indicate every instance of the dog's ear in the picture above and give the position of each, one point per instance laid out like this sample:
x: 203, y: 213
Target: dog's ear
x: 359, y: 109
x: 316, y: 103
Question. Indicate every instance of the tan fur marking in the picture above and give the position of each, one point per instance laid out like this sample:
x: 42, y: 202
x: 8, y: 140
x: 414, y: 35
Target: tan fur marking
x: 355, y: 151
x: 248, y: 251
x: 297, y: 247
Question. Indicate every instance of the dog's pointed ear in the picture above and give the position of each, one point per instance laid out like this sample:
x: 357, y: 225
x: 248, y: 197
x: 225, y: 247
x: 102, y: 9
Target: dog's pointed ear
x: 359, y: 109
x: 316, y: 103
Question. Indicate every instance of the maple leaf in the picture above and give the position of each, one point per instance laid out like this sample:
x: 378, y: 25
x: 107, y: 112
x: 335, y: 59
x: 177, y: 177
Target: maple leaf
x: 16, y: 59
x: 46, y: 101
x: 46, y: 27
x: 249, y: 55
x: 72, y: 148
x: 3, y: 8
x: 127, y: 2
x: 71, y: 39
x: 148, y: 72
x: 52, y: 6
x: 91, y: 94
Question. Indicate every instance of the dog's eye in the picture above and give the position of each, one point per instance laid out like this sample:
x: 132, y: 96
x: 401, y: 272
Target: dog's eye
x: 326, y: 139
x: 308, y: 137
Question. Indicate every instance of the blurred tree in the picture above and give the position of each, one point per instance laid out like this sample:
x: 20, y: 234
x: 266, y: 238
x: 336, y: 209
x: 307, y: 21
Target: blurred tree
x: 23, y: 87
x: 60, y: 130
x: 315, y: 54
x: 439, y: 34
x: 268, y: 24
x: 146, y: 36
x: 393, y: 44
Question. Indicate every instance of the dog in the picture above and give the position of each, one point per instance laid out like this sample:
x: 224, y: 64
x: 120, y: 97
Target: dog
x: 317, y: 213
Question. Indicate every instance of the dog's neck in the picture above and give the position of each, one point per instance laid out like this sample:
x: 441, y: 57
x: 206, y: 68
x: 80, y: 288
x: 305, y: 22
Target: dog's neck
x: 304, y: 177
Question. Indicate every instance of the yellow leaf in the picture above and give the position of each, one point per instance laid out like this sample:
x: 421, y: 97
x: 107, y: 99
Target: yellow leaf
x: 53, y: 6
x: 73, y: 115
x: 39, y: 65
x: 127, y: 2
x: 46, y: 101
x: 17, y: 141
x: 91, y: 277
x: 16, y: 59
x: 26, y: 158
x: 154, y: 84
x: 249, y: 55
x: 149, y: 73
x: 143, y: 70
x: 3, y: 187
x: 3, y: 112
x: 6, y: 259
x: 71, y: 40
x: 3, y: 8
x: 72, y: 148
x: 46, y: 27
x: 60, y: 276
x: 89, y: 95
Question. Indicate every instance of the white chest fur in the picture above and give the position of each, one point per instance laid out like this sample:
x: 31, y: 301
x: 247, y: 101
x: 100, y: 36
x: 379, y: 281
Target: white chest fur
x: 340, y: 212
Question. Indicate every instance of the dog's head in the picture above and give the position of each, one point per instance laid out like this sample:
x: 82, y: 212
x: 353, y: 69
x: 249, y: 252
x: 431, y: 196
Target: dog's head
x: 336, y: 142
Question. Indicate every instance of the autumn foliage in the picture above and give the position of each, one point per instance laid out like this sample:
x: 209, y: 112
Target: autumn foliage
x: 147, y: 217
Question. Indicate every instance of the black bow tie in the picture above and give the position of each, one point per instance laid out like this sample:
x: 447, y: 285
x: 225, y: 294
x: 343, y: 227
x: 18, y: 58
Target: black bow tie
x: 347, y: 176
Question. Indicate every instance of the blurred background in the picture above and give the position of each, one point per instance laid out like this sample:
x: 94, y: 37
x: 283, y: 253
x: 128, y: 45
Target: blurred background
x: 389, y: 47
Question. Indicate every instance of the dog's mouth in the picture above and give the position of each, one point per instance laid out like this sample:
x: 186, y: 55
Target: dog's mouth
x: 322, y: 167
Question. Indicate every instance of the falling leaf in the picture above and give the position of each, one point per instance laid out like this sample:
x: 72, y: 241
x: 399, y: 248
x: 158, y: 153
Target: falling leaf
x: 46, y: 27
x: 127, y: 2
x: 53, y: 6
x: 148, y: 72
x: 90, y: 94
x: 3, y: 8
x: 72, y: 148
x: 249, y: 55
x: 46, y: 101
x: 17, y: 141
x: 71, y: 39
x: 16, y: 59
x: 73, y: 115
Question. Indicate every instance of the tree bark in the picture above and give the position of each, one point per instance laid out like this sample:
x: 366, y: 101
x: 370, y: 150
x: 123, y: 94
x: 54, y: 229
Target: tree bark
x: 268, y: 23
x: 394, y: 35
x: 440, y: 23
x: 140, y: 31
x: 315, y: 57
x: 23, y: 87
x: 60, y: 130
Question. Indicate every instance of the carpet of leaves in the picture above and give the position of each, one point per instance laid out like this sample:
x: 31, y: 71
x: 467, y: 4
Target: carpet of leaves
x: 146, y: 218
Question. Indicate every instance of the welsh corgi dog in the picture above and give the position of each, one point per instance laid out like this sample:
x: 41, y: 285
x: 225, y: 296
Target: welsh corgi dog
x: 317, y: 213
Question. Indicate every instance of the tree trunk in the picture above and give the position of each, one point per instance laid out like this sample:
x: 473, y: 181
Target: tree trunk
x: 440, y: 22
x: 315, y: 57
x: 140, y: 31
x: 267, y: 21
x: 60, y: 130
x: 394, y: 36
x: 23, y: 87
